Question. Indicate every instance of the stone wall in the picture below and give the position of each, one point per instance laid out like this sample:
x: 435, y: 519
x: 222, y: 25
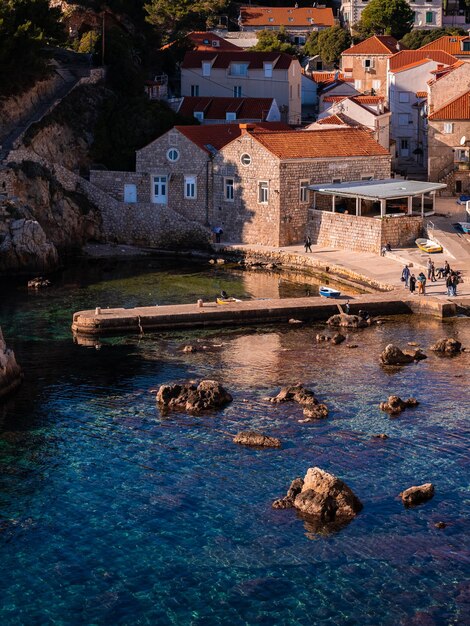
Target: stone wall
x: 363, y: 234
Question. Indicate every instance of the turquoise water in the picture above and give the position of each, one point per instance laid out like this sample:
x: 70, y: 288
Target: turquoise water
x: 113, y: 514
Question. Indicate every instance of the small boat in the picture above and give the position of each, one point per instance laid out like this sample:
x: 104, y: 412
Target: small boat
x: 426, y: 245
x: 328, y: 292
x: 227, y: 300
x: 465, y: 226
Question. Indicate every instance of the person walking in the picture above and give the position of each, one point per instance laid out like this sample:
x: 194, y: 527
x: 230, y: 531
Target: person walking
x: 446, y: 269
x: 455, y: 282
x: 405, y: 275
x: 433, y: 272
x: 450, y: 285
x: 412, y: 283
x: 308, y: 244
x: 429, y: 267
x: 421, y: 280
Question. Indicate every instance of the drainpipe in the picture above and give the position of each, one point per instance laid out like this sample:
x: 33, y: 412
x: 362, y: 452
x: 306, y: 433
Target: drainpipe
x: 208, y: 167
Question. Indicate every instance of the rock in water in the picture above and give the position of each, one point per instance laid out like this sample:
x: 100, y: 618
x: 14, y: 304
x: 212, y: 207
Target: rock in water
x: 337, y: 339
x: 10, y: 372
x: 321, y: 496
x: 396, y: 405
x: 312, y: 408
x: 207, y: 395
x: 447, y: 346
x: 392, y: 355
x: 38, y: 283
x: 417, y: 495
x: 347, y: 321
x: 255, y: 439
x: 26, y: 248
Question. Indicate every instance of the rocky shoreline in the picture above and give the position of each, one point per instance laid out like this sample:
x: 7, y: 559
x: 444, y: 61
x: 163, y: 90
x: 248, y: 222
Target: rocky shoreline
x: 11, y: 375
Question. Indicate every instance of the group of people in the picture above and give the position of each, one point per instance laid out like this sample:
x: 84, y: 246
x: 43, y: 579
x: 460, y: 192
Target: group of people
x: 418, y: 283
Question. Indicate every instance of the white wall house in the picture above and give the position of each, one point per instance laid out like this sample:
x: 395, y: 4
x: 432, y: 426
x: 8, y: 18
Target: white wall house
x: 427, y: 13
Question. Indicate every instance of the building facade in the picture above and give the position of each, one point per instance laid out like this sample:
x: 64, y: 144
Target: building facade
x: 427, y: 13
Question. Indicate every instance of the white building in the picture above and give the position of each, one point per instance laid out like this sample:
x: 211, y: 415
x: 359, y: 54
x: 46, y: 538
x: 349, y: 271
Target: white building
x: 428, y: 13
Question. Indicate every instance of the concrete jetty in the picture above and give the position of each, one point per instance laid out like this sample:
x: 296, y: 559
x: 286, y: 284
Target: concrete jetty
x: 101, y: 322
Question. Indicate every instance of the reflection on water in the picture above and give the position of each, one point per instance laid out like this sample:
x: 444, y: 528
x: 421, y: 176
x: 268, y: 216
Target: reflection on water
x: 111, y: 513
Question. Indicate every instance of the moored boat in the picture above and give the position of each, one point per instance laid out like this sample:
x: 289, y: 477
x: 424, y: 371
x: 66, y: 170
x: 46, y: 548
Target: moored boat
x: 328, y: 292
x: 465, y: 226
x: 426, y: 245
x: 227, y: 300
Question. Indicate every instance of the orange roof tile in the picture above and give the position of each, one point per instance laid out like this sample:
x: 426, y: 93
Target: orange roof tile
x: 286, y: 16
x: 332, y: 119
x: 322, y: 143
x: 223, y: 59
x: 359, y: 99
x: 377, y: 44
x: 452, y: 44
x: 219, y: 135
x: 456, y: 109
x: 209, y: 41
x: 405, y: 58
x: 326, y: 77
x: 421, y: 94
x: 216, y: 108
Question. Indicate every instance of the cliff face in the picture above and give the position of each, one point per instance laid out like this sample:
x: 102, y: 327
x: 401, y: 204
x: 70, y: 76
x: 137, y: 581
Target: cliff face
x: 10, y: 372
x: 43, y: 219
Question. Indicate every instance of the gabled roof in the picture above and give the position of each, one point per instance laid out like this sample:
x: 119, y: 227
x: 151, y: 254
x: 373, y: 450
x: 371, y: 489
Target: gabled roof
x: 359, y: 99
x: 219, y: 135
x: 452, y: 44
x: 405, y: 58
x: 223, y: 59
x: 322, y: 143
x: 286, y: 16
x: 456, y: 109
x: 443, y: 71
x: 205, y: 40
x: 216, y: 108
x: 337, y: 120
x: 421, y: 94
x: 326, y: 77
x: 377, y: 44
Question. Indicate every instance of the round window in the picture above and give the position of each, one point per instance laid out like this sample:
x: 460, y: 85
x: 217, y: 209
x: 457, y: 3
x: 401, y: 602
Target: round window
x: 173, y: 155
x: 245, y: 159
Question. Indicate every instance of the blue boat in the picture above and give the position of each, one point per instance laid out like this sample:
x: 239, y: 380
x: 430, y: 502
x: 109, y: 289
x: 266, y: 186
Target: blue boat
x: 328, y: 292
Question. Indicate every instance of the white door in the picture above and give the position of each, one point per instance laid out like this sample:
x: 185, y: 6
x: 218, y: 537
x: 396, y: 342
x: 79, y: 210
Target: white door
x: 404, y: 148
x: 130, y: 194
x: 159, y: 191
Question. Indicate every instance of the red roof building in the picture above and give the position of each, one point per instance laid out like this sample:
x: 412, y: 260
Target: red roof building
x: 291, y: 18
x: 220, y: 110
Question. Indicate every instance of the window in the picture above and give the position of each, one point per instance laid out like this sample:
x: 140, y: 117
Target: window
x: 190, y: 187
x: 403, y: 96
x: 368, y: 63
x: 195, y: 90
x: 290, y: 92
x: 304, y: 191
x: 376, y: 84
x: 199, y: 115
x: 237, y: 91
x: 466, y: 46
x: 230, y: 116
x: 461, y: 154
x: 229, y: 189
x: 367, y: 177
x: 239, y: 69
x: 268, y: 70
x: 173, y: 155
x: 448, y: 128
x: 336, y: 181
x: 245, y: 159
x: 429, y: 17
x: 270, y: 19
x: 206, y: 68
x: 263, y: 192
x: 403, y: 119
x: 358, y: 85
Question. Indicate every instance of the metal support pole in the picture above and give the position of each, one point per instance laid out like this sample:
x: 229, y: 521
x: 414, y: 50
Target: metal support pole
x: 383, y: 208
x: 333, y: 203
x: 410, y: 205
x: 422, y: 205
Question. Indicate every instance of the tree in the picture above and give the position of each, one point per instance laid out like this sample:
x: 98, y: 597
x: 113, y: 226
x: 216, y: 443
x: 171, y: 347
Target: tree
x: 332, y: 42
x: 421, y: 37
x: 172, y: 17
x: 386, y: 17
x: 274, y: 41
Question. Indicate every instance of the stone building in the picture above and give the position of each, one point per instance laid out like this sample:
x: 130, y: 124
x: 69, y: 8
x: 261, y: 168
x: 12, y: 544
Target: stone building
x: 250, y: 180
x: 245, y: 75
x: 426, y: 15
x: 449, y: 143
x: 367, y: 63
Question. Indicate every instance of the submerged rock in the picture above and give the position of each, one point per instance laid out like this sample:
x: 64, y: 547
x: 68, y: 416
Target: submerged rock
x: 10, y: 372
x: 256, y: 439
x: 207, y: 395
x: 312, y: 409
x: 417, y: 495
x: 323, y: 497
x: 380, y: 436
x: 447, y: 346
x: 396, y: 405
x: 347, y: 321
x: 392, y: 355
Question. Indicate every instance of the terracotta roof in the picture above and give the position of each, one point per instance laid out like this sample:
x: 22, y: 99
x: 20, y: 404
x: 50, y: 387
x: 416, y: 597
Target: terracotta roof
x: 216, y: 108
x: 377, y: 44
x: 326, y: 77
x: 332, y: 119
x: 209, y: 41
x: 456, y: 109
x: 421, y: 94
x: 404, y: 58
x: 452, y: 44
x: 219, y: 135
x: 321, y: 143
x: 286, y: 16
x: 359, y: 99
x: 280, y: 60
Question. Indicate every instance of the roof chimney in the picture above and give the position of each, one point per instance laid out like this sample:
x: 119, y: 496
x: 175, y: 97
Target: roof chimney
x: 246, y: 128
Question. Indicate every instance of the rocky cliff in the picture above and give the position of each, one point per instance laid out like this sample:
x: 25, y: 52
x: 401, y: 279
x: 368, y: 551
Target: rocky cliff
x: 10, y: 372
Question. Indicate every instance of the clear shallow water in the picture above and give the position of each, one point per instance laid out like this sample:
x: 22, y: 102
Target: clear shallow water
x: 111, y: 514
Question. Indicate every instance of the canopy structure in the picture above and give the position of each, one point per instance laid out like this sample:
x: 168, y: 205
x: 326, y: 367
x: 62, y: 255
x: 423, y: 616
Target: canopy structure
x: 380, y: 191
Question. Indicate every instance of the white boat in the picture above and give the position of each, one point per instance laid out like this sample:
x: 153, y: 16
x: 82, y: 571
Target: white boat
x: 328, y: 292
